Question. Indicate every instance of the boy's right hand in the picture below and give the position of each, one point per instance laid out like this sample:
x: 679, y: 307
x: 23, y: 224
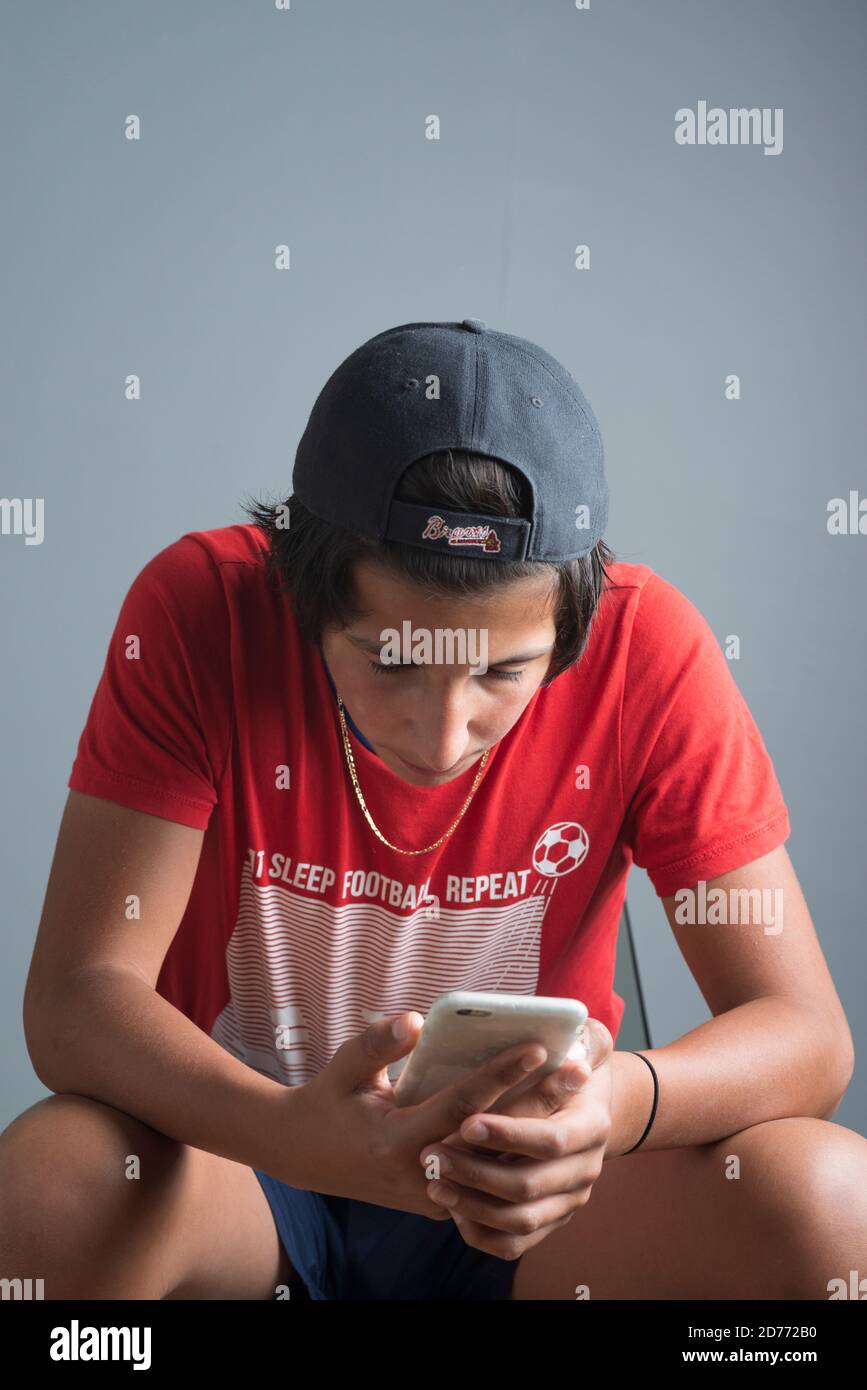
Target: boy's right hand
x: 345, y: 1136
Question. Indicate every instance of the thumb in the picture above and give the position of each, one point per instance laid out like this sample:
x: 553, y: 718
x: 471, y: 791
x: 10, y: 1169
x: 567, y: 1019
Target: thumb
x: 361, y: 1059
x: 593, y: 1044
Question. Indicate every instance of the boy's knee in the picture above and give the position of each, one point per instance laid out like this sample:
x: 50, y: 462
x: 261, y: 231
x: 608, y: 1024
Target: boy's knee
x: 71, y: 1169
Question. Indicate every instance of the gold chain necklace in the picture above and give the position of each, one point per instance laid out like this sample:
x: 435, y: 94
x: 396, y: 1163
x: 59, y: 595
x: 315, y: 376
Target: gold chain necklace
x: 350, y: 761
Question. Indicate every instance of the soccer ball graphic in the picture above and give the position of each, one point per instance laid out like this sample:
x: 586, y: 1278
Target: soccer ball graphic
x: 560, y: 849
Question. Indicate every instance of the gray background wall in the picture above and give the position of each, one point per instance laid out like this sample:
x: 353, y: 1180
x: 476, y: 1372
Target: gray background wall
x: 306, y: 127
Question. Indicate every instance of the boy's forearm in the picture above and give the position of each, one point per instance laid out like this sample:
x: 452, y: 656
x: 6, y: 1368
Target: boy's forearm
x: 764, y: 1060
x: 112, y: 1037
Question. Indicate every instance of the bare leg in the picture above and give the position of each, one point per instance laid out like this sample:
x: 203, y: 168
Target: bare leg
x: 670, y: 1223
x: 192, y: 1226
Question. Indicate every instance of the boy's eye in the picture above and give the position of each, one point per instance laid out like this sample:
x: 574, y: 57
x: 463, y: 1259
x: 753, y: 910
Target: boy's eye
x: 393, y: 669
x: 386, y: 670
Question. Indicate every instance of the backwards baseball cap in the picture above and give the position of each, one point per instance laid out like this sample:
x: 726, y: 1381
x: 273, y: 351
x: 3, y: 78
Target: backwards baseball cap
x: 425, y: 387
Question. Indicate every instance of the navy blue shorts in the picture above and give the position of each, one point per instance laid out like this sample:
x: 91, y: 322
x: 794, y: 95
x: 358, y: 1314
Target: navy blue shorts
x: 344, y: 1249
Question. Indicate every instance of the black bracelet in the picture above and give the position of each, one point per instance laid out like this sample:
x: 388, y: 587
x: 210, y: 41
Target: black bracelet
x: 655, y: 1102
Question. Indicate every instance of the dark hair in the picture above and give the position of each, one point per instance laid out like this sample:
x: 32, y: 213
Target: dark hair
x: 312, y: 561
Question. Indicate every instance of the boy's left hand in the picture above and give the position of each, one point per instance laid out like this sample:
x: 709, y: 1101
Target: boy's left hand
x: 541, y: 1156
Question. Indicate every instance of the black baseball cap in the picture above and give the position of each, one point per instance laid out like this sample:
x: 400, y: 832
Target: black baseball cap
x: 425, y: 387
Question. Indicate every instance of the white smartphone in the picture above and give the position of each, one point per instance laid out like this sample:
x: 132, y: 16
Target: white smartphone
x: 465, y: 1028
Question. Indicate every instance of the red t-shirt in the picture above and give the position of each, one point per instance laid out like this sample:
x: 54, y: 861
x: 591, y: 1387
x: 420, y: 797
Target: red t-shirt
x: 302, y: 927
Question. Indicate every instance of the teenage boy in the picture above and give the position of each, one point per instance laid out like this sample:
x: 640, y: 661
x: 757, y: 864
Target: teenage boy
x: 280, y: 842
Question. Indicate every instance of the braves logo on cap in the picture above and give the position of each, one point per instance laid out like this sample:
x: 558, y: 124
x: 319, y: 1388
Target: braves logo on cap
x: 485, y: 536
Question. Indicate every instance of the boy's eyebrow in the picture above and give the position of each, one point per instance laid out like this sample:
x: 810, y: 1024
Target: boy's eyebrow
x: 371, y: 646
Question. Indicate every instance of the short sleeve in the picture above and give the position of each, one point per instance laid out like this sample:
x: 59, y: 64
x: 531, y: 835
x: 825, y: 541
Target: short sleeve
x: 156, y: 734
x: 701, y: 792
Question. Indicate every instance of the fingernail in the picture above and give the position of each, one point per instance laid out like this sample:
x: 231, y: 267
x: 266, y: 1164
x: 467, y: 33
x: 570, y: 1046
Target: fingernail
x: 531, y: 1060
x: 476, y: 1131
x: 401, y: 1028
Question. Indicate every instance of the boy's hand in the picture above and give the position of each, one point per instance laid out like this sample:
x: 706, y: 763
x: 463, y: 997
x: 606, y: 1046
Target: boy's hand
x: 345, y: 1135
x: 539, y: 1160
